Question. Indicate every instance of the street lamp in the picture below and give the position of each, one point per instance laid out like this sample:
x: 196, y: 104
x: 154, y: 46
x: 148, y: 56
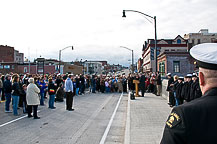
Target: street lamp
x: 155, y: 28
x: 132, y: 56
x: 60, y: 54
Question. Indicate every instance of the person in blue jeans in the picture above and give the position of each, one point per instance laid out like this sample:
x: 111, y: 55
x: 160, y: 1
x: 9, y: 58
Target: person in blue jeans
x: 15, y: 94
x: 51, y: 91
x: 42, y: 86
x: 7, y: 86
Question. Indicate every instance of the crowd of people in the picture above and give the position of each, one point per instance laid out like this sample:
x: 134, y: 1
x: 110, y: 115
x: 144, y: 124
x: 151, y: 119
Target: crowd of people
x: 183, y: 89
x: 28, y: 91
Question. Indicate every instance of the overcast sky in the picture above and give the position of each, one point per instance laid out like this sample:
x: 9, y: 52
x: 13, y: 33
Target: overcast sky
x: 96, y: 28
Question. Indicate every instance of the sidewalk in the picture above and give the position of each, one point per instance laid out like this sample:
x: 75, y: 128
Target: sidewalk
x: 146, y: 119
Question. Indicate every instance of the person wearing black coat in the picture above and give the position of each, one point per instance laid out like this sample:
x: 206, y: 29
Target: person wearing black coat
x: 158, y: 84
x: 179, y: 90
x: 195, y: 91
x: 142, y: 84
x: 16, y: 91
x: 169, y: 89
x: 7, y: 86
x: 60, y: 93
x: 51, y: 92
x: 186, y: 88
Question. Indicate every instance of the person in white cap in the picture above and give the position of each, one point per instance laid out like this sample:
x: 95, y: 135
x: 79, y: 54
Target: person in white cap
x: 195, y: 122
x: 169, y: 89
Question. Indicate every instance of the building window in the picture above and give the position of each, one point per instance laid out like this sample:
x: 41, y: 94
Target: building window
x: 1, y: 66
x: 179, y: 41
x: 6, y: 66
x: 192, y: 41
x: 162, y: 68
x: 12, y: 67
x: 198, y: 41
x: 176, y: 66
x: 25, y: 70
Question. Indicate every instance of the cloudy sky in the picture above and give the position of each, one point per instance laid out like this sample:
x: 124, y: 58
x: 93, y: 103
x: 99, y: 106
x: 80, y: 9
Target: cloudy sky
x: 96, y: 28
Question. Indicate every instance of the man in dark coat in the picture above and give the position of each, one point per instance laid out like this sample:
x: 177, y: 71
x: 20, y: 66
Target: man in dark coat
x: 158, y: 83
x: 187, y: 88
x: 171, y: 96
x: 195, y: 122
x: 142, y: 84
x: 7, y: 90
x: 195, y: 88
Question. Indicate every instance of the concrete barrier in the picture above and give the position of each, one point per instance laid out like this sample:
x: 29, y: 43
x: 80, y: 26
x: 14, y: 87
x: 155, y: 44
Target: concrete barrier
x: 165, y: 93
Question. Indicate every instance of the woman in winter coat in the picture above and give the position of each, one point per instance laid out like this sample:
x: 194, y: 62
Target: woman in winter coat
x: 16, y: 91
x: 51, y: 92
x: 32, y: 98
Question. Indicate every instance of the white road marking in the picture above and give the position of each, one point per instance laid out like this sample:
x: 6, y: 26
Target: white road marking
x: 110, y: 122
x: 14, y: 120
x: 127, y: 130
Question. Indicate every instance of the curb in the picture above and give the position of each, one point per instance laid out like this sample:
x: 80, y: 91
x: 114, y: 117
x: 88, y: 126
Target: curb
x: 127, y: 128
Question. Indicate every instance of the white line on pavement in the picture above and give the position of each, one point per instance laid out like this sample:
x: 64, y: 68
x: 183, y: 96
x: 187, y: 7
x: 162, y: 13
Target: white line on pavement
x: 110, y: 122
x: 127, y: 130
x: 14, y: 120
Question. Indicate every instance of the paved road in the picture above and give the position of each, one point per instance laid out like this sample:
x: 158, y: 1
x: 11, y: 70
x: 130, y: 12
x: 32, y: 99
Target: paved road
x: 85, y: 125
x: 139, y: 121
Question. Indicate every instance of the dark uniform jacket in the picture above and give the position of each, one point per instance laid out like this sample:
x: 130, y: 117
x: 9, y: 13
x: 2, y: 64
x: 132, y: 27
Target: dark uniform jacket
x: 195, y: 90
x: 170, y: 81
x: 193, y: 122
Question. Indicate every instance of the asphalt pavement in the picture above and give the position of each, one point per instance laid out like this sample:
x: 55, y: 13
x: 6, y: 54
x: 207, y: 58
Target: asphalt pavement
x: 98, y: 118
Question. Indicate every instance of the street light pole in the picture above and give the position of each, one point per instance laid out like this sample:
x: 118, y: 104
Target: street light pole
x: 132, y: 56
x: 155, y: 28
x: 60, y: 54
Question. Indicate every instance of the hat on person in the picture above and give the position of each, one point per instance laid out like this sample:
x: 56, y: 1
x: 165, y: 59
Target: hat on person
x: 169, y: 74
x: 189, y: 75
x: 181, y: 78
x: 205, y: 55
x: 194, y: 75
x: 31, y: 80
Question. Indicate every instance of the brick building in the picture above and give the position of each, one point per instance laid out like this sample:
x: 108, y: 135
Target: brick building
x: 163, y: 46
x: 6, y: 53
x: 177, y: 63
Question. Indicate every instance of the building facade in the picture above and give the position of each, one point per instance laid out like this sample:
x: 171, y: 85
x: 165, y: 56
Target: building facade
x: 6, y: 54
x: 203, y: 36
x: 163, y: 45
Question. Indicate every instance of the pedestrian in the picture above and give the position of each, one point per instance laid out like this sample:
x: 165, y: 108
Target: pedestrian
x: 195, y: 122
x: 69, y: 93
x: 169, y: 89
x: 42, y: 86
x: 7, y: 91
x: 16, y: 91
x: 186, y: 91
x: 120, y: 85
x: 1, y: 86
x: 179, y: 90
x: 60, y: 93
x: 32, y: 98
x: 158, y: 83
x: 174, y: 86
x: 195, y: 91
x: 3, y: 91
x: 23, y: 94
x: 142, y: 84
x: 51, y: 92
